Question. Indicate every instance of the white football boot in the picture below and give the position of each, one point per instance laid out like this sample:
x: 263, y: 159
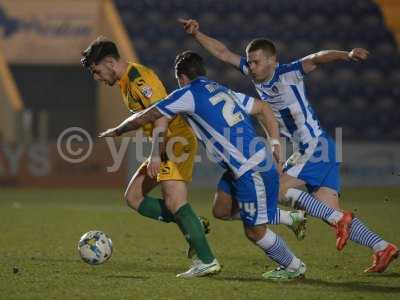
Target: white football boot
x: 199, y: 269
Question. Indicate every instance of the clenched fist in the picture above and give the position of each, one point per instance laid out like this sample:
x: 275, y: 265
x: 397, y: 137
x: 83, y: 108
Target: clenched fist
x: 189, y: 25
x: 358, y: 54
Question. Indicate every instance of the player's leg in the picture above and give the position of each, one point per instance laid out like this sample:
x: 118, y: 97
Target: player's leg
x: 136, y: 196
x: 329, y: 196
x: 323, y: 177
x: 359, y: 233
x: 257, y: 194
x: 275, y: 249
x: 312, y: 206
x: 180, y: 166
x: 174, y: 175
x: 384, y: 252
x: 225, y: 207
x: 290, y: 195
x: 175, y: 195
x: 311, y: 166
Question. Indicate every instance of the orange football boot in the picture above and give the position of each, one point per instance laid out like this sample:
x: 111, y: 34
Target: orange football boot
x: 383, y: 258
x: 343, y: 230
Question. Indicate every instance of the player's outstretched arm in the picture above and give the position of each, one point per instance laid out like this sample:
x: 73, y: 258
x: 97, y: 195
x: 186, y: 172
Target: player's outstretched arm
x: 134, y: 122
x: 311, y: 61
x: 266, y: 117
x: 215, y: 47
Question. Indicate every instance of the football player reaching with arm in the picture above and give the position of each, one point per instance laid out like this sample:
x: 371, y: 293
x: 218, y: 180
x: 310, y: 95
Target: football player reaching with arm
x: 260, y: 110
x: 140, y: 88
x: 133, y: 122
x: 283, y: 87
x: 309, y: 63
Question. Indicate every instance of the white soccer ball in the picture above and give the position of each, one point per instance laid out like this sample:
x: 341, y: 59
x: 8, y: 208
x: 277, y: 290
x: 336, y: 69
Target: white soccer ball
x: 95, y: 247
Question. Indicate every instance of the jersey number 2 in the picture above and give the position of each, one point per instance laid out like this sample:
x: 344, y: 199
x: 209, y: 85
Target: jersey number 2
x: 228, y: 108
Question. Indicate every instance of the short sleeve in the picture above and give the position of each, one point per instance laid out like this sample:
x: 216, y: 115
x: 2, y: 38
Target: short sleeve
x: 292, y: 73
x: 245, y: 101
x: 244, y: 66
x: 180, y: 101
x: 145, y: 85
x: 145, y: 91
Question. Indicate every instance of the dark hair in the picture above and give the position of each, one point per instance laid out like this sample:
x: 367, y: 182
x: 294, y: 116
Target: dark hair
x: 97, y: 50
x: 191, y: 64
x: 264, y: 44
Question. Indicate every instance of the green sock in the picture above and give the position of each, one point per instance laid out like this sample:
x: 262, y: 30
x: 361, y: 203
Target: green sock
x: 155, y: 208
x: 194, y: 232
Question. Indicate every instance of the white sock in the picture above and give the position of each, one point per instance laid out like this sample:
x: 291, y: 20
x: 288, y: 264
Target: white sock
x: 294, y: 265
x: 267, y: 240
x: 335, y: 217
x: 380, y: 246
x: 285, y: 217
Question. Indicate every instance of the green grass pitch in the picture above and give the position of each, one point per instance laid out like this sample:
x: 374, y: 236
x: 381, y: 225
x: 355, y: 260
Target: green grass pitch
x: 39, y: 231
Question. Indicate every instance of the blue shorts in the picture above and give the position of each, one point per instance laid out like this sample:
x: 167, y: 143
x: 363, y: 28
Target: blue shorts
x: 316, y: 165
x: 256, y: 194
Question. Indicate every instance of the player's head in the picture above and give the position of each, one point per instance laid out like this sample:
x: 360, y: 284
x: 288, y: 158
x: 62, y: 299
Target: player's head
x: 101, y: 59
x: 188, y: 66
x: 261, y: 57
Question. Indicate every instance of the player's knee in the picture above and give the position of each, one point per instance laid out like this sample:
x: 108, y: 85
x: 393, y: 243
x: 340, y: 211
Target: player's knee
x: 221, y: 213
x: 328, y: 196
x: 222, y: 206
x: 251, y: 236
x: 256, y: 233
x: 174, y: 205
x: 174, y: 202
x: 289, y: 196
x: 174, y: 194
x: 282, y: 194
x: 133, y: 199
x: 283, y: 189
x: 170, y: 203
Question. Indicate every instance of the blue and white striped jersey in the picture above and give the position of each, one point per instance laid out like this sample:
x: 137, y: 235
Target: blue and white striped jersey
x: 220, y: 119
x: 286, y: 95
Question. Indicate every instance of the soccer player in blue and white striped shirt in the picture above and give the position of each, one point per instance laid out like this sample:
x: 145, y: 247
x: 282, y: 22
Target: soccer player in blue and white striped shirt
x: 313, y: 163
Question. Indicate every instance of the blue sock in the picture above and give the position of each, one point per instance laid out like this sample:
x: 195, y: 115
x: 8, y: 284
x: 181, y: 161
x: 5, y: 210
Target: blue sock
x: 360, y: 234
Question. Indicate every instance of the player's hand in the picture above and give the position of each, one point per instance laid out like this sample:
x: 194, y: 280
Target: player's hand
x: 112, y: 132
x: 189, y: 25
x: 153, y: 167
x: 358, y: 54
